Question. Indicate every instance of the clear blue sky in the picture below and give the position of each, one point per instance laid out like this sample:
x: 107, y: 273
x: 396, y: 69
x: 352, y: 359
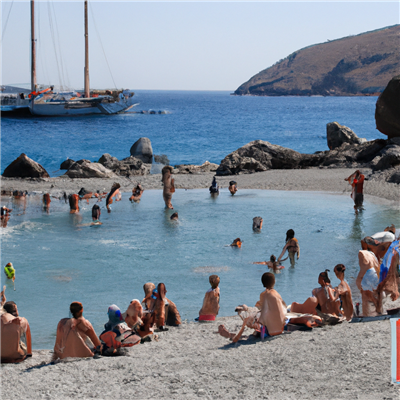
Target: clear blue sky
x: 174, y: 45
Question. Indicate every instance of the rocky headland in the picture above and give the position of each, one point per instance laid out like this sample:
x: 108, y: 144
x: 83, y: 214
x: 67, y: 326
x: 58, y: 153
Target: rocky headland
x: 352, y: 66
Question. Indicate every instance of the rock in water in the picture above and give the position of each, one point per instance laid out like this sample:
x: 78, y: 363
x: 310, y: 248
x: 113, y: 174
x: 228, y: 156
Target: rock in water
x: 337, y: 134
x: 142, y: 150
x: 24, y: 167
x: 87, y: 169
x: 387, y: 110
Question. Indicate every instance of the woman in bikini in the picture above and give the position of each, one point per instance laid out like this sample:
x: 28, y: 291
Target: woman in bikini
x: 292, y: 246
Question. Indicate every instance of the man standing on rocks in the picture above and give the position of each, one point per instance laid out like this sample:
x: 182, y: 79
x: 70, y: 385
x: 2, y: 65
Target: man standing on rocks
x: 356, y: 180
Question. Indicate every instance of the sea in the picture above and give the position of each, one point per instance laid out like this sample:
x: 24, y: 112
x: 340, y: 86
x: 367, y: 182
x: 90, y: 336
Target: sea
x: 60, y: 258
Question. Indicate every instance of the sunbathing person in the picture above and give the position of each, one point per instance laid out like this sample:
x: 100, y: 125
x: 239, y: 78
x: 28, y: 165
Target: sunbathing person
x: 321, y: 300
x: 237, y: 243
x: 117, y: 333
x: 292, y: 246
x: 16, y: 340
x: 257, y: 223
x: 113, y: 193
x: 210, y: 307
x: 136, y: 194
x: 96, y: 212
x: 73, y: 203
x: 272, y: 263
x: 75, y: 336
x: 214, y: 188
x: 343, y: 293
x: 232, y: 187
x: 168, y: 184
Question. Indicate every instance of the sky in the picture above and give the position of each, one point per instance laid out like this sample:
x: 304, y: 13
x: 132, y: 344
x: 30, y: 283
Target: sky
x: 173, y: 45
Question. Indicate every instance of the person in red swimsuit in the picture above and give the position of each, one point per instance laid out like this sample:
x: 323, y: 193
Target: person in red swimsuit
x: 356, y: 180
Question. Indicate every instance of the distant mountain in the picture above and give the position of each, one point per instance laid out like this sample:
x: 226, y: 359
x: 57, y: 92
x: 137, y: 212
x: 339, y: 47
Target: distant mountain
x: 354, y: 65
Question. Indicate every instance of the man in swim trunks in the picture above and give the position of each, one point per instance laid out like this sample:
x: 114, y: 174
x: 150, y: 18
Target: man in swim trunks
x: 210, y: 307
x: 16, y: 341
x: 356, y: 180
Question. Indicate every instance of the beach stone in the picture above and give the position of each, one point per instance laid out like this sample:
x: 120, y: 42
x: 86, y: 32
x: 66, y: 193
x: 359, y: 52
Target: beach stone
x: 394, y: 177
x: 337, y: 134
x: 389, y: 157
x: 195, y: 169
x: 133, y: 166
x: 89, y: 170
x: 109, y: 161
x: 142, y: 149
x: 387, y: 109
x: 66, y: 164
x: 25, y: 167
x: 162, y: 159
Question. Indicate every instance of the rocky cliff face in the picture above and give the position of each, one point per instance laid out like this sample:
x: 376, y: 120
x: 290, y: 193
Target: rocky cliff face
x: 355, y: 65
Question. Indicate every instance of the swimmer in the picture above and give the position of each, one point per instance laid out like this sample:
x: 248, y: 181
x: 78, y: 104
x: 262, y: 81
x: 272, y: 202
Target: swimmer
x: 342, y: 295
x: 10, y: 272
x: 292, y: 246
x: 96, y: 215
x: 210, y: 307
x: 169, y: 187
x: 174, y: 217
x: 113, y: 192
x: 73, y: 203
x: 214, y: 188
x: 232, y: 187
x: 236, y: 243
x: 46, y: 201
x: 272, y: 263
x: 136, y: 194
x: 257, y: 223
x: 85, y: 195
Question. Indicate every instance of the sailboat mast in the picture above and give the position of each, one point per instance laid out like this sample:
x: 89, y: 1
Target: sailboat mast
x: 33, y: 48
x: 87, y: 87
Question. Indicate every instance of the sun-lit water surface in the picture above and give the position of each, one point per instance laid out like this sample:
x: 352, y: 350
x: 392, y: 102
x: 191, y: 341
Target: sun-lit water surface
x: 59, y: 258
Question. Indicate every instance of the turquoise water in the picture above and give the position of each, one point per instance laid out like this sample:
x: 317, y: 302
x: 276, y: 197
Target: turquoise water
x: 60, y: 259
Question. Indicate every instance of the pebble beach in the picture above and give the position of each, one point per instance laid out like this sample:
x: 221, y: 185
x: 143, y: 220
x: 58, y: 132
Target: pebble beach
x: 346, y: 361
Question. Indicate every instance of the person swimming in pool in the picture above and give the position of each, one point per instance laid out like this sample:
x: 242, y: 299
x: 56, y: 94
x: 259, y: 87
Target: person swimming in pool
x: 292, y: 247
x: 114, y: 192
x: 136, y: 193
x: 272, y: 263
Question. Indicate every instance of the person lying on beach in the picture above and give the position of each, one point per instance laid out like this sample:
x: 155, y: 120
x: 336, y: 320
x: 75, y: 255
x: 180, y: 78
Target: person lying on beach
x: 272, y: 263
x: 174, y: 217
x: 96, y: 215
x: 46, y: 201
x: 257, y: 223
x: 75, y: 336
x: 214, y: 188
x: 73, y: 203
x: 210, y: 307
x: 85, y: 195
x: 136, y: 194
x: 321, y: 299
x: 388, y: 235
x: 169, y: 185
x: 237, y: 243
x: 16, y: 340
x: 117, y: 333
x: 232, y: 187
x: 113, y: 193
x: 343, y: 293
x: 292, y: 246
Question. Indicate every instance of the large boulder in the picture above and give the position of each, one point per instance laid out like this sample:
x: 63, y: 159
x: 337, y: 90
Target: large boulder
x: 388, y: 158
x: 387, y: 109
x: 142, y: 149
x: 66, y: 164
x: 25, y: 167
x: 109, y: 161
x: 133, y: 166
x: 337, y: 134
x: 87, y: 169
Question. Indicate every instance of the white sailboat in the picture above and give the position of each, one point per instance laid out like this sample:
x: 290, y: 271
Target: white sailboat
x: 48, y: 103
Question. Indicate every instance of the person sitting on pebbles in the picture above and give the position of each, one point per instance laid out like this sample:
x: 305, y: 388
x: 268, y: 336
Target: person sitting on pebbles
x: 114, y: 192
x: 16, y: 340
x: 136, y: 193
x: 210, y: 307
x: 169, y: 185
x: 75, y: 336
x: 232, y: 187
x: 342, y: 294
x: 272, y: 263
x: 236, y: 243
x: 292, y: 247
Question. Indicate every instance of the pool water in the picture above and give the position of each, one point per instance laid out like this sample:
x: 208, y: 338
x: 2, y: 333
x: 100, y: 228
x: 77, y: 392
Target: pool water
x: 60, y: 258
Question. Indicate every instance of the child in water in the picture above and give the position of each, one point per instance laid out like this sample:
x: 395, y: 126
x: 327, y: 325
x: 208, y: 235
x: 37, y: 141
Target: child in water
x: 272, y: 263
x: 211, y: 300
